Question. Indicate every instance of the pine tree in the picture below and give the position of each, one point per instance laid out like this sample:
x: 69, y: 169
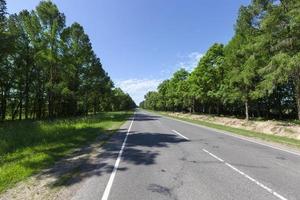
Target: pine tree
x: 281, y: 33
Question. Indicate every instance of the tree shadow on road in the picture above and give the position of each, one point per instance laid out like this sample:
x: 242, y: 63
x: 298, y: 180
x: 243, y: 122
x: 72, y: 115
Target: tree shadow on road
x: 95, y: 161
x: 142, y: 117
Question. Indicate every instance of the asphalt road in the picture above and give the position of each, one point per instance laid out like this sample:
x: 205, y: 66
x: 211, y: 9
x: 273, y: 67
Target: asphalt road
x: 154, y: 157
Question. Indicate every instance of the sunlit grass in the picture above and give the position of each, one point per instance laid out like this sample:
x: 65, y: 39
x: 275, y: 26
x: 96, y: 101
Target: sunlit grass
x: 27, y: 147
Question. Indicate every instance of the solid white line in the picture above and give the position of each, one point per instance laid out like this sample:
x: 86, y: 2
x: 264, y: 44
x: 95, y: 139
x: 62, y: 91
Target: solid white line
x: 180, y: 135
x: 247, y: 176
x: 232, y: 135
x: 113, y: 174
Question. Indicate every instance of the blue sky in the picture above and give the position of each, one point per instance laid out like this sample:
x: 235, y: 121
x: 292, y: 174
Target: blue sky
x: 142, y: 42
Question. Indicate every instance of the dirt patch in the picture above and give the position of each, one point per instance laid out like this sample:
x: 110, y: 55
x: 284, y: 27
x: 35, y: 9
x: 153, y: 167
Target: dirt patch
x: 269, y: 127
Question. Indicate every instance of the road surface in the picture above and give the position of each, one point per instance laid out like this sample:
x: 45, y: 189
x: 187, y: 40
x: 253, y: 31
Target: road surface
x: 158, y: 158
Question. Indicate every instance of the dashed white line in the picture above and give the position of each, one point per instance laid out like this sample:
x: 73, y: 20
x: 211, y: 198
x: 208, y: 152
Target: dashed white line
x: 234, y: 135
x: 180, y: 134
x: 247, y: 176
x: 216, y: 157
x: 113, y: 174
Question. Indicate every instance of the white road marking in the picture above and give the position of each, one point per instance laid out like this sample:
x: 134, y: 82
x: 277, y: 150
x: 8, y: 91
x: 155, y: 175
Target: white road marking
x: 113, y: 174
x: 247, y: 176
x: 232, y: 135
x: 216, y: 157
x: 180, y: 135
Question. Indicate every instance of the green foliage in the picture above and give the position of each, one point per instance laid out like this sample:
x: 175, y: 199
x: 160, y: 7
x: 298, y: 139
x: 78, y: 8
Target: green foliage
x: 171, y: 94
x: 207, y: 78
x: 122, y: 101
x: 257, y: 74
x: 2, y: 14
x: 50, y: 70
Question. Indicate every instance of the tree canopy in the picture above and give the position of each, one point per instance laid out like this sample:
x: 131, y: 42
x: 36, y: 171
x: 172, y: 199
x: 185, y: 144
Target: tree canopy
x: 257, y: 74
x: 50, y: 70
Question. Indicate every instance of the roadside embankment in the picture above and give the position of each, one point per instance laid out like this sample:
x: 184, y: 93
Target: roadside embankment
x: 283, y: 132
x: 272, y: 127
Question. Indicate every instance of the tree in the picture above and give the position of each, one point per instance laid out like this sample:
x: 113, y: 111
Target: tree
x: 256, y: 74
x: 177, y: 87
x: 50, y: 70
x: 2, y: 25
x: 207, y: 77
x: 281, y: 33
x: 4, y: 69
x: 52, y: 23
x: 163, y: 91
x: 76, y: 56
x: 241, y: 57
x: 121, y: 101
x: 151, y: 100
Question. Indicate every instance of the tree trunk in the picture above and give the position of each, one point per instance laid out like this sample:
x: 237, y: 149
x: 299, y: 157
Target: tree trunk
x: 34, y: 112
x: 193, y: 105
x: 258, y: 110
x: 298, y: 97
x: 209, y: 109
x: 298, y: 105
x: 21, y: 108
x: 51, y: 79
x: 268, y: 108
x: 50, y: 104
x: 3, y: 106
x: 5, y: 102
x: 14, y: 110
x: 86, y: 104
x: 12, y: 113
x: 247, y: 110
x: 95, y: 106
x: 26, y: 96
x: 39, y: 106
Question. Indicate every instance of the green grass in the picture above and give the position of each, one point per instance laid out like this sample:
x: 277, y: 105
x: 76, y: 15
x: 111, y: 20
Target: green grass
x: 27, y: 147
x: 272, y: 138
x: 295, y: 122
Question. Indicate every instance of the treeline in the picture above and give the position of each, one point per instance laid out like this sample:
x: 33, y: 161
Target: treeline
x: 50, y: 70
x: 257, y: 74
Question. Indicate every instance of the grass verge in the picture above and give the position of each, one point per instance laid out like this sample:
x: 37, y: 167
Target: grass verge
x: 267, y: 137
x: 27, y: 147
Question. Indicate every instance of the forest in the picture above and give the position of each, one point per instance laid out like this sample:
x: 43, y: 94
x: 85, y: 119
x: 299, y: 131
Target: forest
x: 49, y: 70
x: 255, y: 75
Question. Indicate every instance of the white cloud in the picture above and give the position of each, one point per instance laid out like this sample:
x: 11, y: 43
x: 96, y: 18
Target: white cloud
x: 166, y: 72
x: 137, y: 88
x: 186, y: 61
x: 190, y: 61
